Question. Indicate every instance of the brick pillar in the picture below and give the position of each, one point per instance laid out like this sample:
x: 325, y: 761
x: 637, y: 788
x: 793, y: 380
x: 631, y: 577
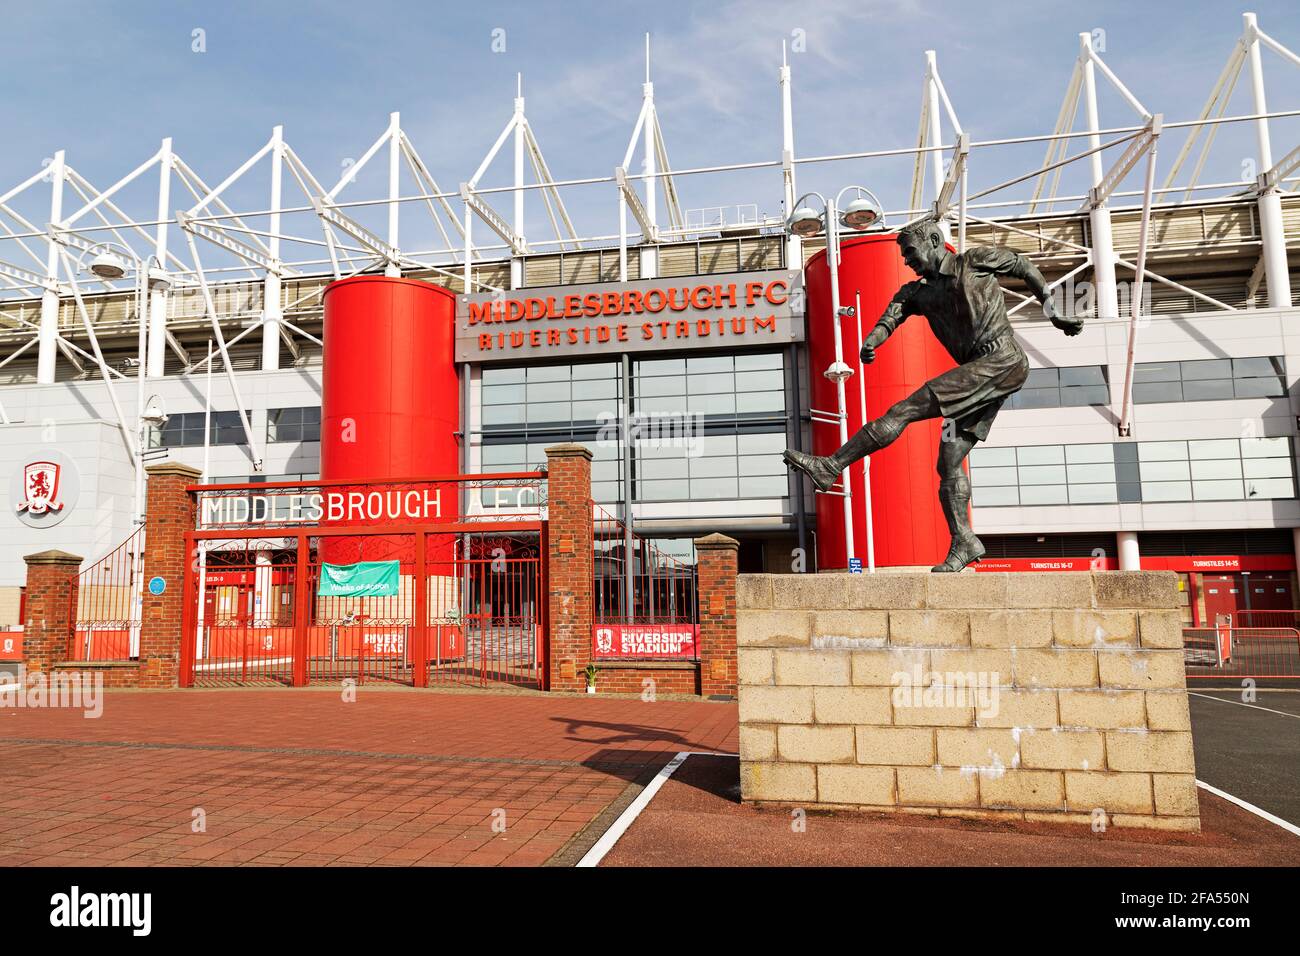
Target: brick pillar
x: 570, y: 563
x: 716, y: 595
x: 169, y: 514
x: 51, y: 608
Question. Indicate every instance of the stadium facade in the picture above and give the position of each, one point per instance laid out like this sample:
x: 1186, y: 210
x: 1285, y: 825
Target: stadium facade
x: 690, y: 349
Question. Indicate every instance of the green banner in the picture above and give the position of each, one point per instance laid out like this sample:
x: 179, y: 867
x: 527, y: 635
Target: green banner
x: 363, y: 579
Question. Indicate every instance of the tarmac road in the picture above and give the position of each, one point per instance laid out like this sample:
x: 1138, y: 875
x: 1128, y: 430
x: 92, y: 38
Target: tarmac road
x: 1250, y: 750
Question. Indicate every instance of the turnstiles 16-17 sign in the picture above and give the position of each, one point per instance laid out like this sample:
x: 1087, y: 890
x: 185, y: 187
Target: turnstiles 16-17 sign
x: 729, y: 311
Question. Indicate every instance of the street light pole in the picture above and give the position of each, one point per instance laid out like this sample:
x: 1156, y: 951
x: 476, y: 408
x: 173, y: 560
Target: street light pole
x: 106, y: 265
x: 839, y: 370
x: 860, y: 214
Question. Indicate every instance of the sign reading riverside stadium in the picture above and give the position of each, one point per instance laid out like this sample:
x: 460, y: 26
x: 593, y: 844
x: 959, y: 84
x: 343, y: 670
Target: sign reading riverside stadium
x: 725, y: 311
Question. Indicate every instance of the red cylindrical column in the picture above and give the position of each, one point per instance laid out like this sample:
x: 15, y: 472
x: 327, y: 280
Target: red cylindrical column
x: 391, y: 407
x: 390, y: 411
x: 908, y: 523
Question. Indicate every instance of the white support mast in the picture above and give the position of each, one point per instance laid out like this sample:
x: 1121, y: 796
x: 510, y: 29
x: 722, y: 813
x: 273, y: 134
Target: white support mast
x: 157, y: 294
x: 49, y: 329
x: 1271, y: 228
x: 1103, y: 248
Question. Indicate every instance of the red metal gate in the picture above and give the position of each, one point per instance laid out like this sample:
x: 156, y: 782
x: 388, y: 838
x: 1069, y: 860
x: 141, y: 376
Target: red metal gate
x: 469, y: 606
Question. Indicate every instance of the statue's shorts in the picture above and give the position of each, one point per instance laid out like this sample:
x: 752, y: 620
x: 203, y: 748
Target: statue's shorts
x: 971, y: 394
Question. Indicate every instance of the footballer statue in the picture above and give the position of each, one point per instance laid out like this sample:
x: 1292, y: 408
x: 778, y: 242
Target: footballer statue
x: 961, y: 298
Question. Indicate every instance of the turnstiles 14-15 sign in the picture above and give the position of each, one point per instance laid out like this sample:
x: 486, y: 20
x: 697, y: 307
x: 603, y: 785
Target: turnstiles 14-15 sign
x: 697, y: 312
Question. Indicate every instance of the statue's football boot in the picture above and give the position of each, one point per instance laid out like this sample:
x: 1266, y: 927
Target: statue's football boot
x: 821, y: 469
x: 825, y: 470
x: 964, y: 551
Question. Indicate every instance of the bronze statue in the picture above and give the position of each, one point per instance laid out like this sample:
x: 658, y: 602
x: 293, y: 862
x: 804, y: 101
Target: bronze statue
x: 961, y: 298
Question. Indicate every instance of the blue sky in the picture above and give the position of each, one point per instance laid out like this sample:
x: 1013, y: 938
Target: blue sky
x: 107, y: 80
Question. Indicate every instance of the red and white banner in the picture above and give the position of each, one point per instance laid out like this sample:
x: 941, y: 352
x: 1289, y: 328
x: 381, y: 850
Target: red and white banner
x: 645, y: 641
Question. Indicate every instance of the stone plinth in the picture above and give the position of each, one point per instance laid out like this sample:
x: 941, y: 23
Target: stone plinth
x: 1029, y: 696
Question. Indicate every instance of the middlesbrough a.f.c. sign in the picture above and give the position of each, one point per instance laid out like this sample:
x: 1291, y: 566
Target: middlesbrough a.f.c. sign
x: 698, y: 312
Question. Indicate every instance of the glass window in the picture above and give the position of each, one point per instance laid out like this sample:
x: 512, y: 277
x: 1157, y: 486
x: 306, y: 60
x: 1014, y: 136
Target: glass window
x: 1217, y: 490
x: 1164, y: 471
x: 1207, y: 390
x: 1040, y: 455
x: 1152, y: 392
x: 1267, y: 467
x: 1043, y: 378
x: 1166, y: 491
x: 995, y: 497
x: 1083, y: 375
x: 1213, y: 448
x: 1270, y: 488
x: 1162, y: 451
x: 1042, y: 475
x: 982, y: 455
x: 1044, y: 495
x: 1209, y: 379
x: 1089, y: 453
x: 1060, y: 387
x: 293, y: 424
x: 768, y: 487
x: 985, y: 477
x: 1259, y: 387
x: 736, y: 408
x: 1099, y: 494
x: 1090, y: 474
x: 1213, y: 368
x: 1225, y: 468
x: 1085, y: 395
x: 1144, y: 372
x: 186, y: 430
x: 1213, y: 469
x: 1265, y: 448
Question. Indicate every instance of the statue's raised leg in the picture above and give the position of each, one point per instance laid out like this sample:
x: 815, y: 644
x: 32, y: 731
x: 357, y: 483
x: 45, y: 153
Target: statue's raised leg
x: 825, y: 470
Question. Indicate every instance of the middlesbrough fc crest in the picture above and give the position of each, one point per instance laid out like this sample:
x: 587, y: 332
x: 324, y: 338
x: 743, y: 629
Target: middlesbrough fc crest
x: 41, y: 488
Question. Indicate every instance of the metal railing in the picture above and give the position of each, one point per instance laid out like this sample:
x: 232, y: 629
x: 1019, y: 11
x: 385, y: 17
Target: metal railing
x: 108, y: 604
x: 635, y: 581
x: 1240, y: 652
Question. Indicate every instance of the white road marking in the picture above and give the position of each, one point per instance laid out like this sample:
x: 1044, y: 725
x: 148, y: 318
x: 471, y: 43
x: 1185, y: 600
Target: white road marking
x: 1224, y: 700
x: 619, y: 827
x: 1289, y: 827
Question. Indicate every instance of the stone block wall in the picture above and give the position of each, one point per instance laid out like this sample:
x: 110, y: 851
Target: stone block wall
x: 1028, y: 696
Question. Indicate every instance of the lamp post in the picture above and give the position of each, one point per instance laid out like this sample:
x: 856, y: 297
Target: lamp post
x: 106, y: 264
x: 862, y: 213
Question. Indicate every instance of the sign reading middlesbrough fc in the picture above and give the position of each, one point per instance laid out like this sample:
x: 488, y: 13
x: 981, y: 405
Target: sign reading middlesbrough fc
x: 731, y: 310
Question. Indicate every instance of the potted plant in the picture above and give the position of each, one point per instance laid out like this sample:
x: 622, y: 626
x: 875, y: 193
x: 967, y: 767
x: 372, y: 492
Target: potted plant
x: 590, y: 674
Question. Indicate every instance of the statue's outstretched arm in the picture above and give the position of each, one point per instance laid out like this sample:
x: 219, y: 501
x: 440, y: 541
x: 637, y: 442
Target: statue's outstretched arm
x: 894, y: 315
x: 1002, y: 261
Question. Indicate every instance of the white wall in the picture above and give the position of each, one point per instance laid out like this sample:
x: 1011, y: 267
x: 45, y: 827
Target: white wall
x: 1163, y: 338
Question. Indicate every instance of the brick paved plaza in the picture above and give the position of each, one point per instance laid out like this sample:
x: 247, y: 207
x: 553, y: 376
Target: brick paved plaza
x: 302, y: 778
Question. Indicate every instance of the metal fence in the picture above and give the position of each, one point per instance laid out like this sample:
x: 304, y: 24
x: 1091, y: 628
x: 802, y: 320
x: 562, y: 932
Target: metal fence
x: 1239, y: 652
x: 466, y: 604
x: 108, y: 604
x: 636, y: 582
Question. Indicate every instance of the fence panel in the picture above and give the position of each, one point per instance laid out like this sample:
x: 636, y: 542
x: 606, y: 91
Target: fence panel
x: 644, y: 598
x: 108, y: 609
x: 245, y: 624
x: 486, y: 610
x: 1237, y: 652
